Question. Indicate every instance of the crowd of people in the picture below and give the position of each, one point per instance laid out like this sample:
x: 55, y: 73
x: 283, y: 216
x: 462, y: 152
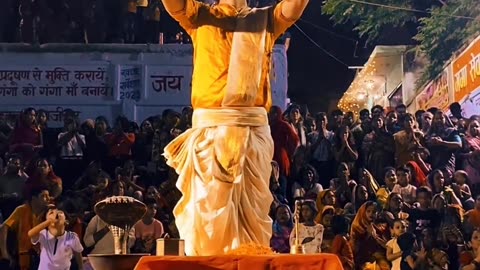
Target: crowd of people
x: 389, y: 190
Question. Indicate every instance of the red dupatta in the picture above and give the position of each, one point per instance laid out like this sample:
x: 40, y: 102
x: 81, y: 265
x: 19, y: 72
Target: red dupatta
x: 285, y: 142
x: 420, y: 177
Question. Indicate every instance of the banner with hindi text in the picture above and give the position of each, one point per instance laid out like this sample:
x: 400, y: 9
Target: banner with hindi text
x: 137, y: 81
x: 471, y: 105
x: 436, y: 93
x: 48, y: 84
x: 130, y: 82
x: 466, y: 71
x: 169, y: 84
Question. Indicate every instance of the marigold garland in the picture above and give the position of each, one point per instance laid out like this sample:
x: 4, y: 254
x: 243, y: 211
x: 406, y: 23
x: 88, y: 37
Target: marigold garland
x: 251, y: 249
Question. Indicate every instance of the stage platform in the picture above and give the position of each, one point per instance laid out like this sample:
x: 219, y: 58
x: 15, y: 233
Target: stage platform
x: 226, y: 262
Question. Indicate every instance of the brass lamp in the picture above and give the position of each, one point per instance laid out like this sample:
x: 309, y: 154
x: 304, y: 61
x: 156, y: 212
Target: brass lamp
x: 297, y: 248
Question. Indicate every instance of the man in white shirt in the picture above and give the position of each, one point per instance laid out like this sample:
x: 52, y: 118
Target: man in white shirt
x: 404, y: 188
x: 70, y: 162
x: 71, y: 142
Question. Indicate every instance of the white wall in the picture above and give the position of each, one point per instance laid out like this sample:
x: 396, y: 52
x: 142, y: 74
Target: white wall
x: 137, y: 81
x: 394, y: 76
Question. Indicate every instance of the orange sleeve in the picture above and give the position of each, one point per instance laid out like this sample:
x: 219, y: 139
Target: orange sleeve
x: 336, y: 245
x: 187, y: 17
x: 131, y: 137
x: 465, y: 258
x: 280, y: 23
x: 14, y: 219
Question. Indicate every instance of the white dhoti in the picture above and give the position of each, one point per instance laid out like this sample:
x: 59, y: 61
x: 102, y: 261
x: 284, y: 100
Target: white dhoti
x: 223, y: 164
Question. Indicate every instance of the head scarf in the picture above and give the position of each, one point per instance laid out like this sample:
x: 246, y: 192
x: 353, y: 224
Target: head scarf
x: 323, y: 212
x: 90, y: 123
x: 278, y: 229
x: 320, y: 204
x: 382, y: 196
x: 371, y: 184
x: 360, y: 223
x: 420, y: 177
x: 354, y: 197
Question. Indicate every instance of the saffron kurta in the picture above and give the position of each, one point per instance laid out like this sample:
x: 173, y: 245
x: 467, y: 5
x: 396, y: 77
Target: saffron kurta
x: 211, y: 29
x: 223, y: 161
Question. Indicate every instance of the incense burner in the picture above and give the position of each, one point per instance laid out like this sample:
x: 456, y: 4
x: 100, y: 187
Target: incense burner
x: 121, y: 213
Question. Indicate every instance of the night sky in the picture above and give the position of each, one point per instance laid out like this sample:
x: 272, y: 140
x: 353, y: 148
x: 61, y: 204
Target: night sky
x: 315, y: 79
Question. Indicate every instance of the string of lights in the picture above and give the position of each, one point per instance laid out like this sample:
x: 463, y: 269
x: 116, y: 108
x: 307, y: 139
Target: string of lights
x: 320, y: 47
x: 333, y: 34
x: 353, y: 100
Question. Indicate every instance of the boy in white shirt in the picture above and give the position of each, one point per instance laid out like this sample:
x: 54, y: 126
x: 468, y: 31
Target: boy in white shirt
x: 404, y: 188
x: 57, y: 245
x: 394, y: 253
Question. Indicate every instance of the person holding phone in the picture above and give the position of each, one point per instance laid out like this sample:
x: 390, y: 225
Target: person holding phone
x: 72, y: 146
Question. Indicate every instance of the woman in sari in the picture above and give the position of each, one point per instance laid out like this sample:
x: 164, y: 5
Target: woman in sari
x: 326, y: 217
x: 379, y: 148
x: 299, y: 159
x: 390, y: 179
x: 366, y: 178
x: 366, y: 239
x: 26, y: 139
x: 344, y: 148
x: 282, y: 228
x: 307, y: 186
x: 418, y: 177
x: 343, y: 185
x: 285, y: 140
x: 471, y: 162
x: 359, y: 197
x: 44, y: 176
x: 436, y: 180
x: 407, y: 141
x: 142, y: 149
x: 295, y: 120
x: 325, y: 198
